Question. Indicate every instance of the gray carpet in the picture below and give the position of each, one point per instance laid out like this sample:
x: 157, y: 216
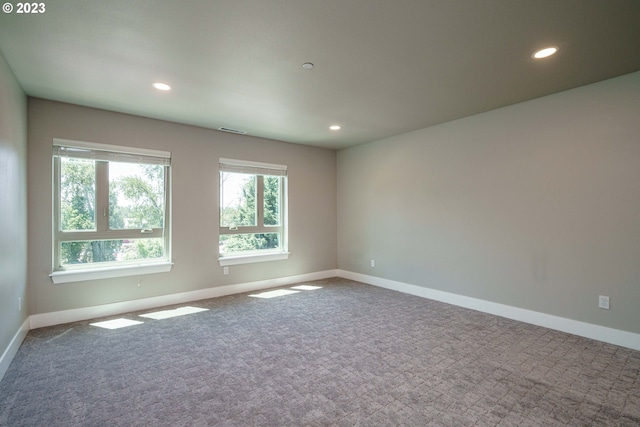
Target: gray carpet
x: 347, y: 354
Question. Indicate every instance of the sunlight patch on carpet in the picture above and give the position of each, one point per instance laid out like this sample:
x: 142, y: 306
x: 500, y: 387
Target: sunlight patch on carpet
x: 273, y: 294
x: 306, y: 287
x: 180, y: 311
x: 116, y: 323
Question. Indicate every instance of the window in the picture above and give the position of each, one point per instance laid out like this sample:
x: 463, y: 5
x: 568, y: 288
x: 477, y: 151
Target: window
x: 111, y: 210
x: 253, y: 214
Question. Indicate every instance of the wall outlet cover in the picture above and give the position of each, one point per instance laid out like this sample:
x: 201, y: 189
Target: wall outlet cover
x: 603, y: 302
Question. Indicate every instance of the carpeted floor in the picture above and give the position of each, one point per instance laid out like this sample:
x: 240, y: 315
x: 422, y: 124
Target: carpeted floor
x: 347, y: 354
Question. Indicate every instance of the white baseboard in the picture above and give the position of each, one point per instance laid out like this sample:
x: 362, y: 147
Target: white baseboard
x: 85, y: 313
x: 13, y: 347
x: 575, y: 327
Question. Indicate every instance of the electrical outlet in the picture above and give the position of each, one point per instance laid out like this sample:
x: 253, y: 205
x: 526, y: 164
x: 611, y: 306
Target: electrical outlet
x: 373, y: 263
x: 225, y: 270
x: 19, y: 304
x: 603, y: 302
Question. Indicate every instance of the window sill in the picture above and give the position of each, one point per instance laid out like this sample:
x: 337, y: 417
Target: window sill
x: 248, y: 259
x: 68, y: 276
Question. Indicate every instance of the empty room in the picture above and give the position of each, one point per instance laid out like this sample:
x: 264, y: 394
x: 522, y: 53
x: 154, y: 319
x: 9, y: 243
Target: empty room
x: 320, y: 213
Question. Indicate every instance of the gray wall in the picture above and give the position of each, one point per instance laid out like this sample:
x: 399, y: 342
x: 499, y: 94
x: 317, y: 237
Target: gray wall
x: 13, y: 204
x: 195, y: 154
x: 536, y: 205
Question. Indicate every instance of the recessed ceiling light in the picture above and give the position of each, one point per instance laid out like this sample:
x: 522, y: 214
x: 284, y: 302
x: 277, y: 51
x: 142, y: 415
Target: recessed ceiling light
x: 307, y: 65
x: 161, y: 86
x: 544, y: 53
x: 334, y: 127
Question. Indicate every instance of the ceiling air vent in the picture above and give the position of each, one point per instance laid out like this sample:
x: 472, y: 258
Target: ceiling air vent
x: 241, y: 132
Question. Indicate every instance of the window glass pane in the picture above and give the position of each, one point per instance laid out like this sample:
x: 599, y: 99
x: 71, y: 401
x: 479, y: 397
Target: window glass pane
x: 136, y: 196
x: 237, y: 199
x: 272, y: 200
x: 242, y: 243
x: 77, y: 194
x: 110, y: 250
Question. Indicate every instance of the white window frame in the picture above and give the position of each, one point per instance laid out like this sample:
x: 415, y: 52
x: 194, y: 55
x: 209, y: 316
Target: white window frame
x: 258, y: 169
x: 103, y: 153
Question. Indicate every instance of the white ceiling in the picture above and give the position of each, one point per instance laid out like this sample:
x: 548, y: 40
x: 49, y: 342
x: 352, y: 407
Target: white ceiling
x: 382, y: 67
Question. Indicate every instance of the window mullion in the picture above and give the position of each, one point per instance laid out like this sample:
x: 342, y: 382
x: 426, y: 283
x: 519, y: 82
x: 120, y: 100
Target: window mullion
x: 102, y: 197
x: 129, y: 233
x: 249, y: 230
x: 260, y: 200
